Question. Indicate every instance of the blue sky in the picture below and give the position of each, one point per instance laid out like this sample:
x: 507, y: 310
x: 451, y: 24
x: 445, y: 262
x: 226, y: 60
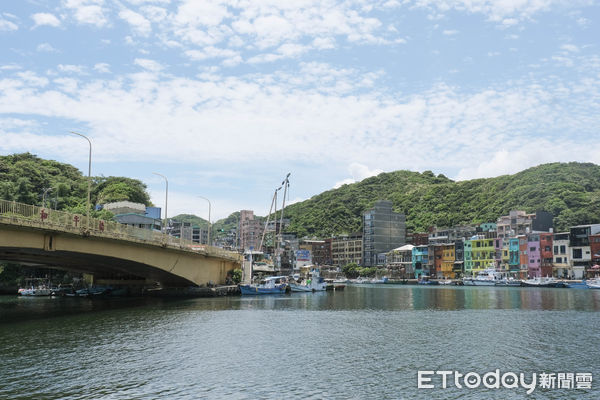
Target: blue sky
x: 226, y: 97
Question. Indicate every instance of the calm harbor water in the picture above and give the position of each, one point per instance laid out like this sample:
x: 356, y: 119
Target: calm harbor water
x: 366, y: 342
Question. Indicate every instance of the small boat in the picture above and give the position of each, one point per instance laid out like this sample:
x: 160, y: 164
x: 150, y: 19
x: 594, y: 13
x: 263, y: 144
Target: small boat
x: 360, y: 281
x: 270, y: 285
x: 508, y: 282
x: 593, y: 283
x: 540, y: 282
x: 35, y: 291
x: 36, y: 287
x: 487, y: 277
x: 380, y: 280
x: 93, y: 291
x: 312, y: 283
x: 445, y: 282
x: 63, y: 290
x: 577, y: 285
x: 341, y: 281
x: 424, y: 280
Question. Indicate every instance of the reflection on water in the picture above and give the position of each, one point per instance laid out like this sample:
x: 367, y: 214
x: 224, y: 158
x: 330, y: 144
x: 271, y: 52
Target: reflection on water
x: 367, y: 341
x: 401, y: 297
x: 373, y: 297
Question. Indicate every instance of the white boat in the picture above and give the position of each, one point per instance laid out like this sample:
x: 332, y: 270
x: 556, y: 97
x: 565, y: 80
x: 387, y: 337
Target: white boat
x: 593, y: 283
x: 35, y: 291
x: 312, y: 283
x: 508, y: 282
x: 540, y: 282
x: 487, y: 277
x: 36, y: 287
x: 341, y: 281
x: 381, y: 280
x: 445, y: 282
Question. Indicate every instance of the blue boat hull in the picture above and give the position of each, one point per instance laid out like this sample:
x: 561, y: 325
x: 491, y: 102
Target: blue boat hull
x: 254, y: 290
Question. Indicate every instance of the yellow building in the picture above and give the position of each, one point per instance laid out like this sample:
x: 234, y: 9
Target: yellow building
x: 448, y: 258
x: 483, y: 253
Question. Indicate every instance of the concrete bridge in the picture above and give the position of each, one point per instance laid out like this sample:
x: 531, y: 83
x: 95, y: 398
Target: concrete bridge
x: 107, y: 250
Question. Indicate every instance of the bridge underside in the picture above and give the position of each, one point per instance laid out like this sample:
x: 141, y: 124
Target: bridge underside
x: 97, y: 265
x: 106, y: 257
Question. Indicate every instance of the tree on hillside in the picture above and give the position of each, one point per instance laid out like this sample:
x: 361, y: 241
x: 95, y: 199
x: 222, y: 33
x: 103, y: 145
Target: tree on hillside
x: 114, y: 188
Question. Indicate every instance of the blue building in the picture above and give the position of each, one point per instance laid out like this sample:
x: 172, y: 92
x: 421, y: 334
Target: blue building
x: 420, y: 259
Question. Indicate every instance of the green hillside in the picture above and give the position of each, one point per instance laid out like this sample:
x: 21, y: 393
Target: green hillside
x: 570, y: 191
x: 25, y: 177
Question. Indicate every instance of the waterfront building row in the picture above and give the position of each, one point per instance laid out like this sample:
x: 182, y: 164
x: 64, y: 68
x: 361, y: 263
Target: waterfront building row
x: 573, y: 254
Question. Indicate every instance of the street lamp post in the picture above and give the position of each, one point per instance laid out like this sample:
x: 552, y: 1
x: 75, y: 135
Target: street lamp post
x: 209, y: 226
x: 44, y: 197
x: 166, y: 198
x: 89, y: 179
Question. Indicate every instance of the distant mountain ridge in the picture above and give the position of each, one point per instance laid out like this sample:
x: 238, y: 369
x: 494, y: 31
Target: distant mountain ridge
x: 570, y: 191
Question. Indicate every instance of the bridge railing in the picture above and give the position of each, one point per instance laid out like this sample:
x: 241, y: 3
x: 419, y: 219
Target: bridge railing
x: 35, y: 216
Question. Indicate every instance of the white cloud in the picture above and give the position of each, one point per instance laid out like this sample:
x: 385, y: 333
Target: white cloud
x: 68, y: 85
x: 46, y: 48
x: 272, y: 30
x: 518, y: 158
x: 450, y: 32
x: 506, y: 22
x: 322, y: 43
x: 70, y: 68
x: 138, y: 22
x: 9, y: 67
x: 509, y: 12
x: 103, y: 68
x: 33, y: 79
x: 210, y: 52
x: 149, y: 65
x: 42, y: 19
x: 89, y: 12
x: 6, y: 25
x: 358, y: 172
x: 320, y: 113
x: 570, y: 48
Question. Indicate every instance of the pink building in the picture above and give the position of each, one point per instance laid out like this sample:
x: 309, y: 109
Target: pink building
x: 534, y: 266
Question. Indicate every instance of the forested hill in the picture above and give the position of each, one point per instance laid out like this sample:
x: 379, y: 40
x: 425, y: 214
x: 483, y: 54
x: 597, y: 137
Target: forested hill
x: 25, y: 177
x: 570, y: 191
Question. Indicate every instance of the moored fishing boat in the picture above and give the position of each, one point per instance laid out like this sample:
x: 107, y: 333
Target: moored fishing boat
x: 270, y: 285
x: 540, y: 282
x: 508, y: 282
x: 36, y: 287
x: 487, y: 277
x: 312, y: 283
x: 593, y: 283
x: 383, y: 279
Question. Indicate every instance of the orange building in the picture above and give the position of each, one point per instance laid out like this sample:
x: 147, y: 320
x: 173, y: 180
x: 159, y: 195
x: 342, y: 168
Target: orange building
x: 448, y: 258
x: 523, y: 256
x: 438, y: 251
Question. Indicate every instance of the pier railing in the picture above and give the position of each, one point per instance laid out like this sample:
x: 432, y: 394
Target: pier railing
x: 46, y: 218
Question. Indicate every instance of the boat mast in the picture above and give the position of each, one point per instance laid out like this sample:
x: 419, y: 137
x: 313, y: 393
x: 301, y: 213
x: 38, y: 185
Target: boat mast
x: 273, y: 203
x: 285, y: 184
